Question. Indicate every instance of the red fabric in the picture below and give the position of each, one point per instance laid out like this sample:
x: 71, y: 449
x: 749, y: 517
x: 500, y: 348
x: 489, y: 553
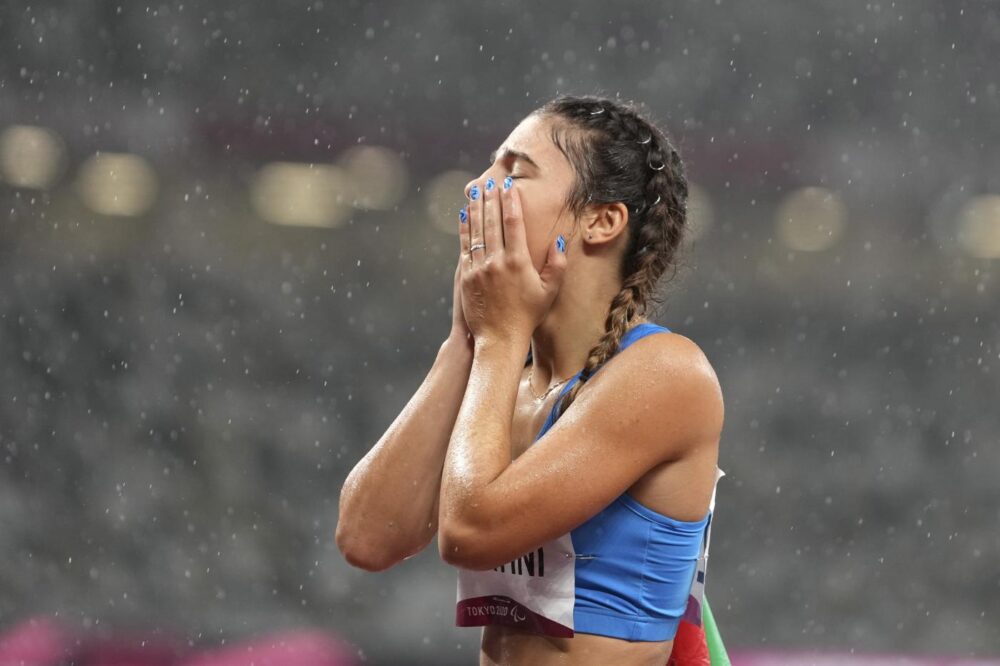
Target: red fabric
x: 690, y: 647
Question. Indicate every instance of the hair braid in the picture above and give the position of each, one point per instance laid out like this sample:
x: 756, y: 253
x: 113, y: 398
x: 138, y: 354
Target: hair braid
x: 619, y: 155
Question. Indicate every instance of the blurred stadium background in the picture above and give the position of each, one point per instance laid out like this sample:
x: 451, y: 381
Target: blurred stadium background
x: 226, y: 260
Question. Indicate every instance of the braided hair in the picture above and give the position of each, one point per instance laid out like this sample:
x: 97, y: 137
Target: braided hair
x: 619, y: 155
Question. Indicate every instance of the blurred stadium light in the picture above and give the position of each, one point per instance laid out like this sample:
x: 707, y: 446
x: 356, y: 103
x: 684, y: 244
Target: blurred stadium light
x: 378, y: 177
x: 700, y: 212
x: 30, y: 156
x: 979, y: 226
x: 811, y: 219
x: 444, y: 196
x: 117, y: 184
x: 311, y: 195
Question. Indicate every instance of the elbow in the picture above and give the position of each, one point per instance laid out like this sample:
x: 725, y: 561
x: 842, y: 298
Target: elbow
x: 362, y: 553
x: 367, y: 561
x: 461, y: 546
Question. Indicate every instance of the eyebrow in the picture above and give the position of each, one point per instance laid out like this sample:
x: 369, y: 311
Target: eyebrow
x: 517, y: 154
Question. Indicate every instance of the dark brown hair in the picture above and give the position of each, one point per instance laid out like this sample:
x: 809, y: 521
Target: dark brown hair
x: 620, y: 155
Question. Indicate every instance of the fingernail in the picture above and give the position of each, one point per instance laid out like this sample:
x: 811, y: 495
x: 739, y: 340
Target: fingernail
x: 474, y: 192
x: 507, y: 182
x: 490, y: 184
x: 561, y: 243
x: 462, y: 215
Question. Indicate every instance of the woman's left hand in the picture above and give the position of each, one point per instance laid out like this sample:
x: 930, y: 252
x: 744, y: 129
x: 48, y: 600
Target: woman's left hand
x: 503, y: 296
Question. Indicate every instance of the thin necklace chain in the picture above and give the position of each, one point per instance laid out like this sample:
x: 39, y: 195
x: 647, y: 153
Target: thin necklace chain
x: 551, y: 388
x: 554, y: 386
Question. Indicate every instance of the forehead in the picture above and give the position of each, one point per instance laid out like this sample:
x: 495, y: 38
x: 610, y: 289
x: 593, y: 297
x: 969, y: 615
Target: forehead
x: 532, y: 136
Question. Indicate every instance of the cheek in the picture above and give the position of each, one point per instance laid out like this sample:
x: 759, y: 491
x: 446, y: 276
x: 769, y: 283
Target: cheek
x: 535, y: 232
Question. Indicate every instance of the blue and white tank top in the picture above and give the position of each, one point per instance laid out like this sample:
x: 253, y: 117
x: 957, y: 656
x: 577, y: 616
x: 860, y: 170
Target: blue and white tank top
x: 628, y: 572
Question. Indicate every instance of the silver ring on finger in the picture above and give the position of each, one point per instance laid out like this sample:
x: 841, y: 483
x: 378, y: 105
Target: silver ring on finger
x: 477, y: 246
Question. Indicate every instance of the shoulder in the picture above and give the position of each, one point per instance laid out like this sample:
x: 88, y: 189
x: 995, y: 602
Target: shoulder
x: 667, y: 376
x: 668, y: 352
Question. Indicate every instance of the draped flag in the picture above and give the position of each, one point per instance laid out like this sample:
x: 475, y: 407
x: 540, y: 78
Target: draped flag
x: 698, y: 642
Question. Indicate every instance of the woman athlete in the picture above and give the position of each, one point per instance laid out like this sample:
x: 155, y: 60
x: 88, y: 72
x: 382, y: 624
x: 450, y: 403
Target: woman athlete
x: 572, y: 492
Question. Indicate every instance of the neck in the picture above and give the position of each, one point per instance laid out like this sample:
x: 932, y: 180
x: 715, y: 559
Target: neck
x: 575, y: 323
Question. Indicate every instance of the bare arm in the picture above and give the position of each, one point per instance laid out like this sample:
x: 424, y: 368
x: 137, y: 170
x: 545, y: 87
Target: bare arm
x: 389, y: 502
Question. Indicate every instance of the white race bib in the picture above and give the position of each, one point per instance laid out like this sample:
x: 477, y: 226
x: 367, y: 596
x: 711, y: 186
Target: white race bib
x: 536, y: 591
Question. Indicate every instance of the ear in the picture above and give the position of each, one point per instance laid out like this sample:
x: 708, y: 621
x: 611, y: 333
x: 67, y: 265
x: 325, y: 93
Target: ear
x: 607, y: 222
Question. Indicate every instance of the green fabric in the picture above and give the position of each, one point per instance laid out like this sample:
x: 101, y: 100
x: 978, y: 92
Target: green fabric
x: 716, y: 650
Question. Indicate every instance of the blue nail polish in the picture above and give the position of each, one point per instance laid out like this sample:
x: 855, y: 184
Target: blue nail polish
x: 462, y: 215
x: 474, y: 192
x: 561, y: 243
x: 507, y: 182
x: 490, y: 184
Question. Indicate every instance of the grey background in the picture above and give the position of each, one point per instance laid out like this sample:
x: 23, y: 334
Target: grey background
x: 183, y: 393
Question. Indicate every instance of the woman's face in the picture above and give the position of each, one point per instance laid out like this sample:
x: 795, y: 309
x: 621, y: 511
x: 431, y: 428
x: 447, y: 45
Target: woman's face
x: 543, y: 178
